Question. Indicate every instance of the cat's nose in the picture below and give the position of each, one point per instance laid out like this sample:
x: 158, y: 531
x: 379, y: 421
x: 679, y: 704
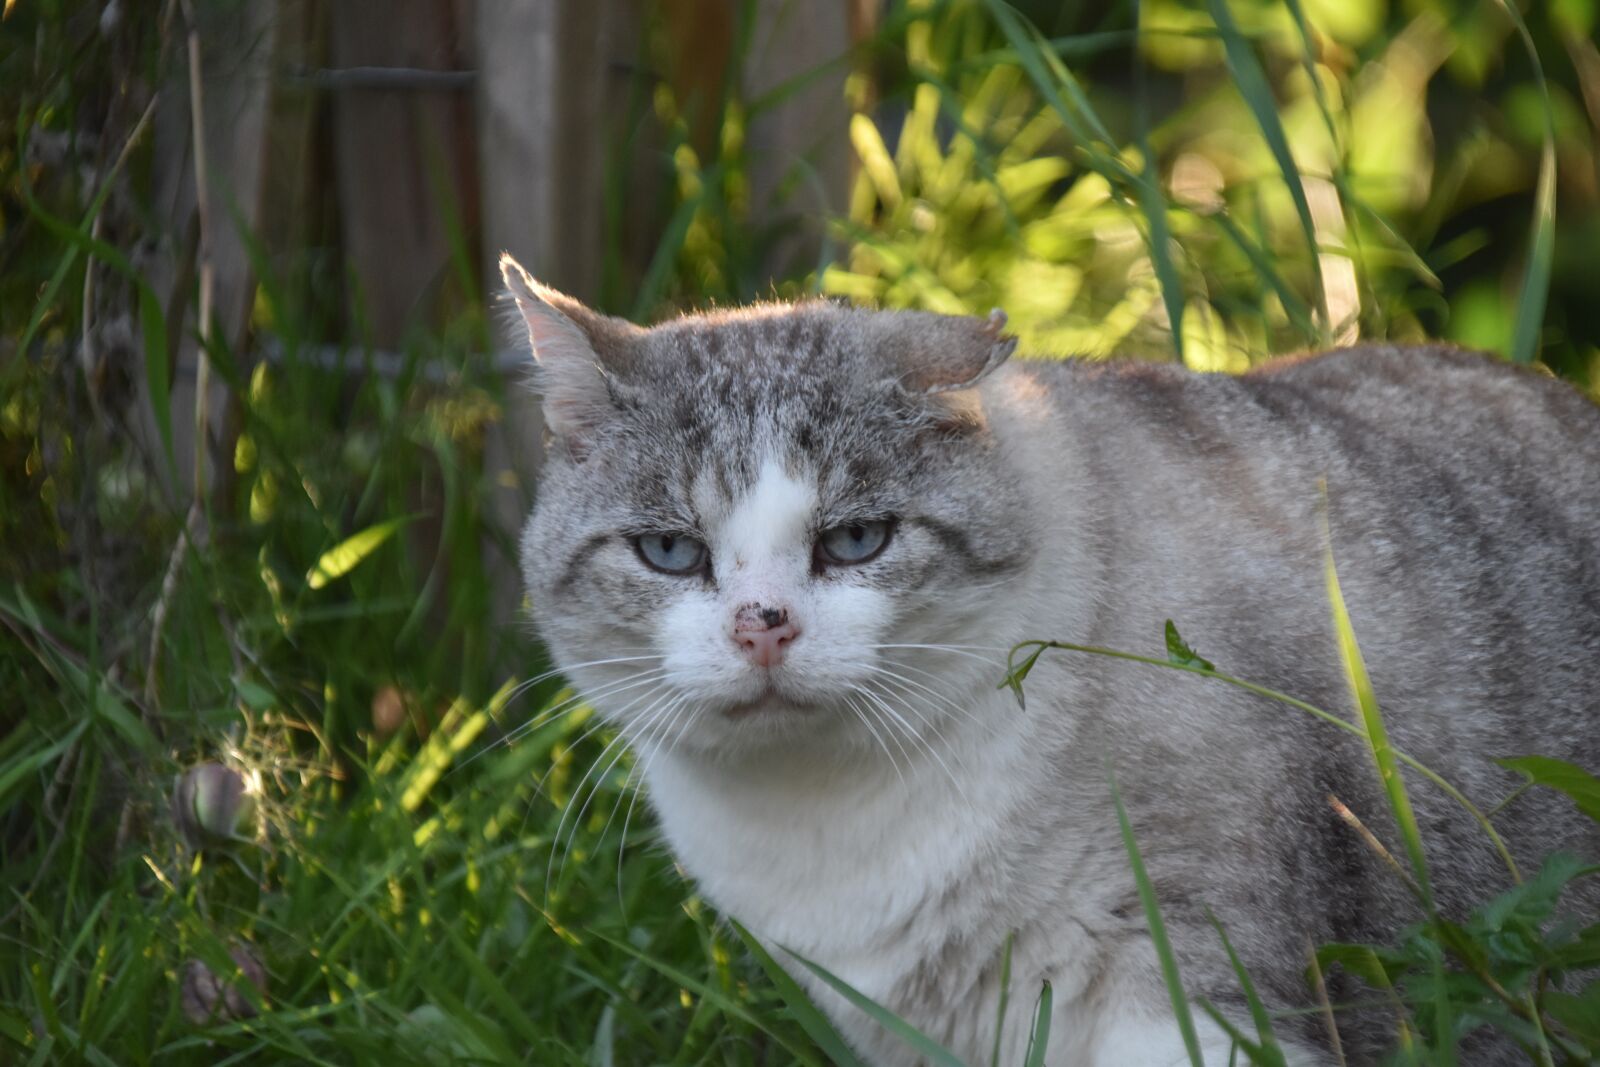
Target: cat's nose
x: 763, y: 633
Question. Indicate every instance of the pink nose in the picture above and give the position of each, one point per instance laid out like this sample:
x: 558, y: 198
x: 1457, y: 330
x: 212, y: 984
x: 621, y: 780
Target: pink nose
x: 762, y: 634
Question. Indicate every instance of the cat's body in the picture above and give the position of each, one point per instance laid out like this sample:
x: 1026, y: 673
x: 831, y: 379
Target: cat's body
x: 898, y: 838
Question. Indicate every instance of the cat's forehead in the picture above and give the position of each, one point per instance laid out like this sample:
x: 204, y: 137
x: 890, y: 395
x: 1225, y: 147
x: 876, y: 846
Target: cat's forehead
x: 730, y: 394
x: 761, y: 355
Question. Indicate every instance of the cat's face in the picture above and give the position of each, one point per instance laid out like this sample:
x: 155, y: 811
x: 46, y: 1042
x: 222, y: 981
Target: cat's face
x: 745, y: 513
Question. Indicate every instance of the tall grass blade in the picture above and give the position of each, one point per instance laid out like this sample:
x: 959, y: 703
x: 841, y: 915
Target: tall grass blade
x: 1266, y: 1052
x: 1377, y: 735
x: 723, y: 1001
x: 1388, y: 765
x: 1252, y: 85
x: 1158, y: 931
x: 1039, y: 1036
x: 812, y: 1021
x: 157, y: 372
x: 1541, y: 240
x: 666, y: 254
x: 1005, y: 997
x: 925, y: 1046
x: 1154, y: 205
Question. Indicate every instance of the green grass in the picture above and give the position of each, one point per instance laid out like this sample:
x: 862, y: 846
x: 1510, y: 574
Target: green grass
x: 420, y: 880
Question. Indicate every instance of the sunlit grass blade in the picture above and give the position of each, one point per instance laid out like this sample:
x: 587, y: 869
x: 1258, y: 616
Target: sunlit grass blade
x: 1376, y: 734
x: 1051, y: 79
x: 1251, y: 82
x: 805, y: 1013
x: 1153, y: 202
x: 1158, y: 932
x: 925, y: 1046
x: 1394, y: 786
x: 344, y: 557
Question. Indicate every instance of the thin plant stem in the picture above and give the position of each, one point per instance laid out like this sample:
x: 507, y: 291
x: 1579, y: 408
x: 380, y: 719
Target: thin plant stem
x: 1283, y: 698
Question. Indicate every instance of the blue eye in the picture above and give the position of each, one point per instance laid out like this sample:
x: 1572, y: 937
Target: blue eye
x: 672, y: 553
x: 855, y: 542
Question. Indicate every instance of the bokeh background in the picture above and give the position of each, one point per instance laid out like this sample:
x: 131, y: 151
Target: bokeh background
x: 264, y: 445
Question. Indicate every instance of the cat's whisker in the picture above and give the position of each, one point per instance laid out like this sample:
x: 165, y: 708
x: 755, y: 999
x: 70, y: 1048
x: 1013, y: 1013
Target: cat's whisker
x: 862, y: 711
x: 943, y: 647
x: 516, y: 735
x: 669, y: 729
x: 598, y: 725
x: 909, y: 699
x: 621, y: 685
x: 524, y: 686
x: 625, y: 735
x: 925, y: 742
x: 580, y: 666
x: 909, y: 684
x: 658, y: 716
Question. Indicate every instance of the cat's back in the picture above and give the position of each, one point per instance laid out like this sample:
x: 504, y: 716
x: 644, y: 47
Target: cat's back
x: 1435, y: 394
x: 1372, y: 415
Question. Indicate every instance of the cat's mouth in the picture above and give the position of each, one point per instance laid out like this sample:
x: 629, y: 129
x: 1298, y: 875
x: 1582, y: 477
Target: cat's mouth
x: 769, y: 702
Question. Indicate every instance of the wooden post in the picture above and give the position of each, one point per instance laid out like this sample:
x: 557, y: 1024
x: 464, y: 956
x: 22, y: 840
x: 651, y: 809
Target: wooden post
x: 552, y: 78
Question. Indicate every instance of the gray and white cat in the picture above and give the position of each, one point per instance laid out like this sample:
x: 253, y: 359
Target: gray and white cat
x: 785, y: 549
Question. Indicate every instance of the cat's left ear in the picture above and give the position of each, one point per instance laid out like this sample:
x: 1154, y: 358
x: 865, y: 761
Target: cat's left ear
x: 580, y: 355
x: 947, y: 353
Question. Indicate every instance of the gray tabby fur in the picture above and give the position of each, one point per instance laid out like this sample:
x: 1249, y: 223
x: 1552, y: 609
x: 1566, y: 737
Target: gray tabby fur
x: 1089, y: 503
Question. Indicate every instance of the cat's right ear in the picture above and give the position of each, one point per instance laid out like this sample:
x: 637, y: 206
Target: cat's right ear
x: 579, y: 353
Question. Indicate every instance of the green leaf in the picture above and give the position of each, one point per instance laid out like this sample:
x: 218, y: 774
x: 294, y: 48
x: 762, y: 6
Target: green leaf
x: 1158, y: 932
x: 1180, y: 653
x: 925, y: 1046
x: 344, y: 557
x: 811, y: 1020
x: 1016, y: 672
x: 1039, y: 1036
x: 1568, y: 778
x: 1579, y: 1014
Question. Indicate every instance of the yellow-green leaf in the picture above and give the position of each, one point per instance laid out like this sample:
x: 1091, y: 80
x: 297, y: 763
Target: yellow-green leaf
x: 343, y: 557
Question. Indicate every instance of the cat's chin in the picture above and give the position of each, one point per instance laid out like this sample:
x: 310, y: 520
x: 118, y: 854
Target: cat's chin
x: 771, y: 702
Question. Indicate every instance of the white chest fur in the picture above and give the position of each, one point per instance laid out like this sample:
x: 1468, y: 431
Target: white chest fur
x: 878, y: 877
x: 867, y: 871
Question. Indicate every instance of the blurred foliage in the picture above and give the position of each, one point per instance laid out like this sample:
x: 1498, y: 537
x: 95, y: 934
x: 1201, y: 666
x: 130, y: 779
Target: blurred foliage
x: 1000, y: 166
x: 1414, y: 129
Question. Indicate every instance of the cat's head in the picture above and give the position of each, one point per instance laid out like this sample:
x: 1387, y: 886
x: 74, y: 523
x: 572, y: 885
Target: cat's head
x: 745, y: 512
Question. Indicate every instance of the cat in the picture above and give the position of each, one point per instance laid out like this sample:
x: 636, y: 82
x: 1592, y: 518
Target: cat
x: 786, y: 548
